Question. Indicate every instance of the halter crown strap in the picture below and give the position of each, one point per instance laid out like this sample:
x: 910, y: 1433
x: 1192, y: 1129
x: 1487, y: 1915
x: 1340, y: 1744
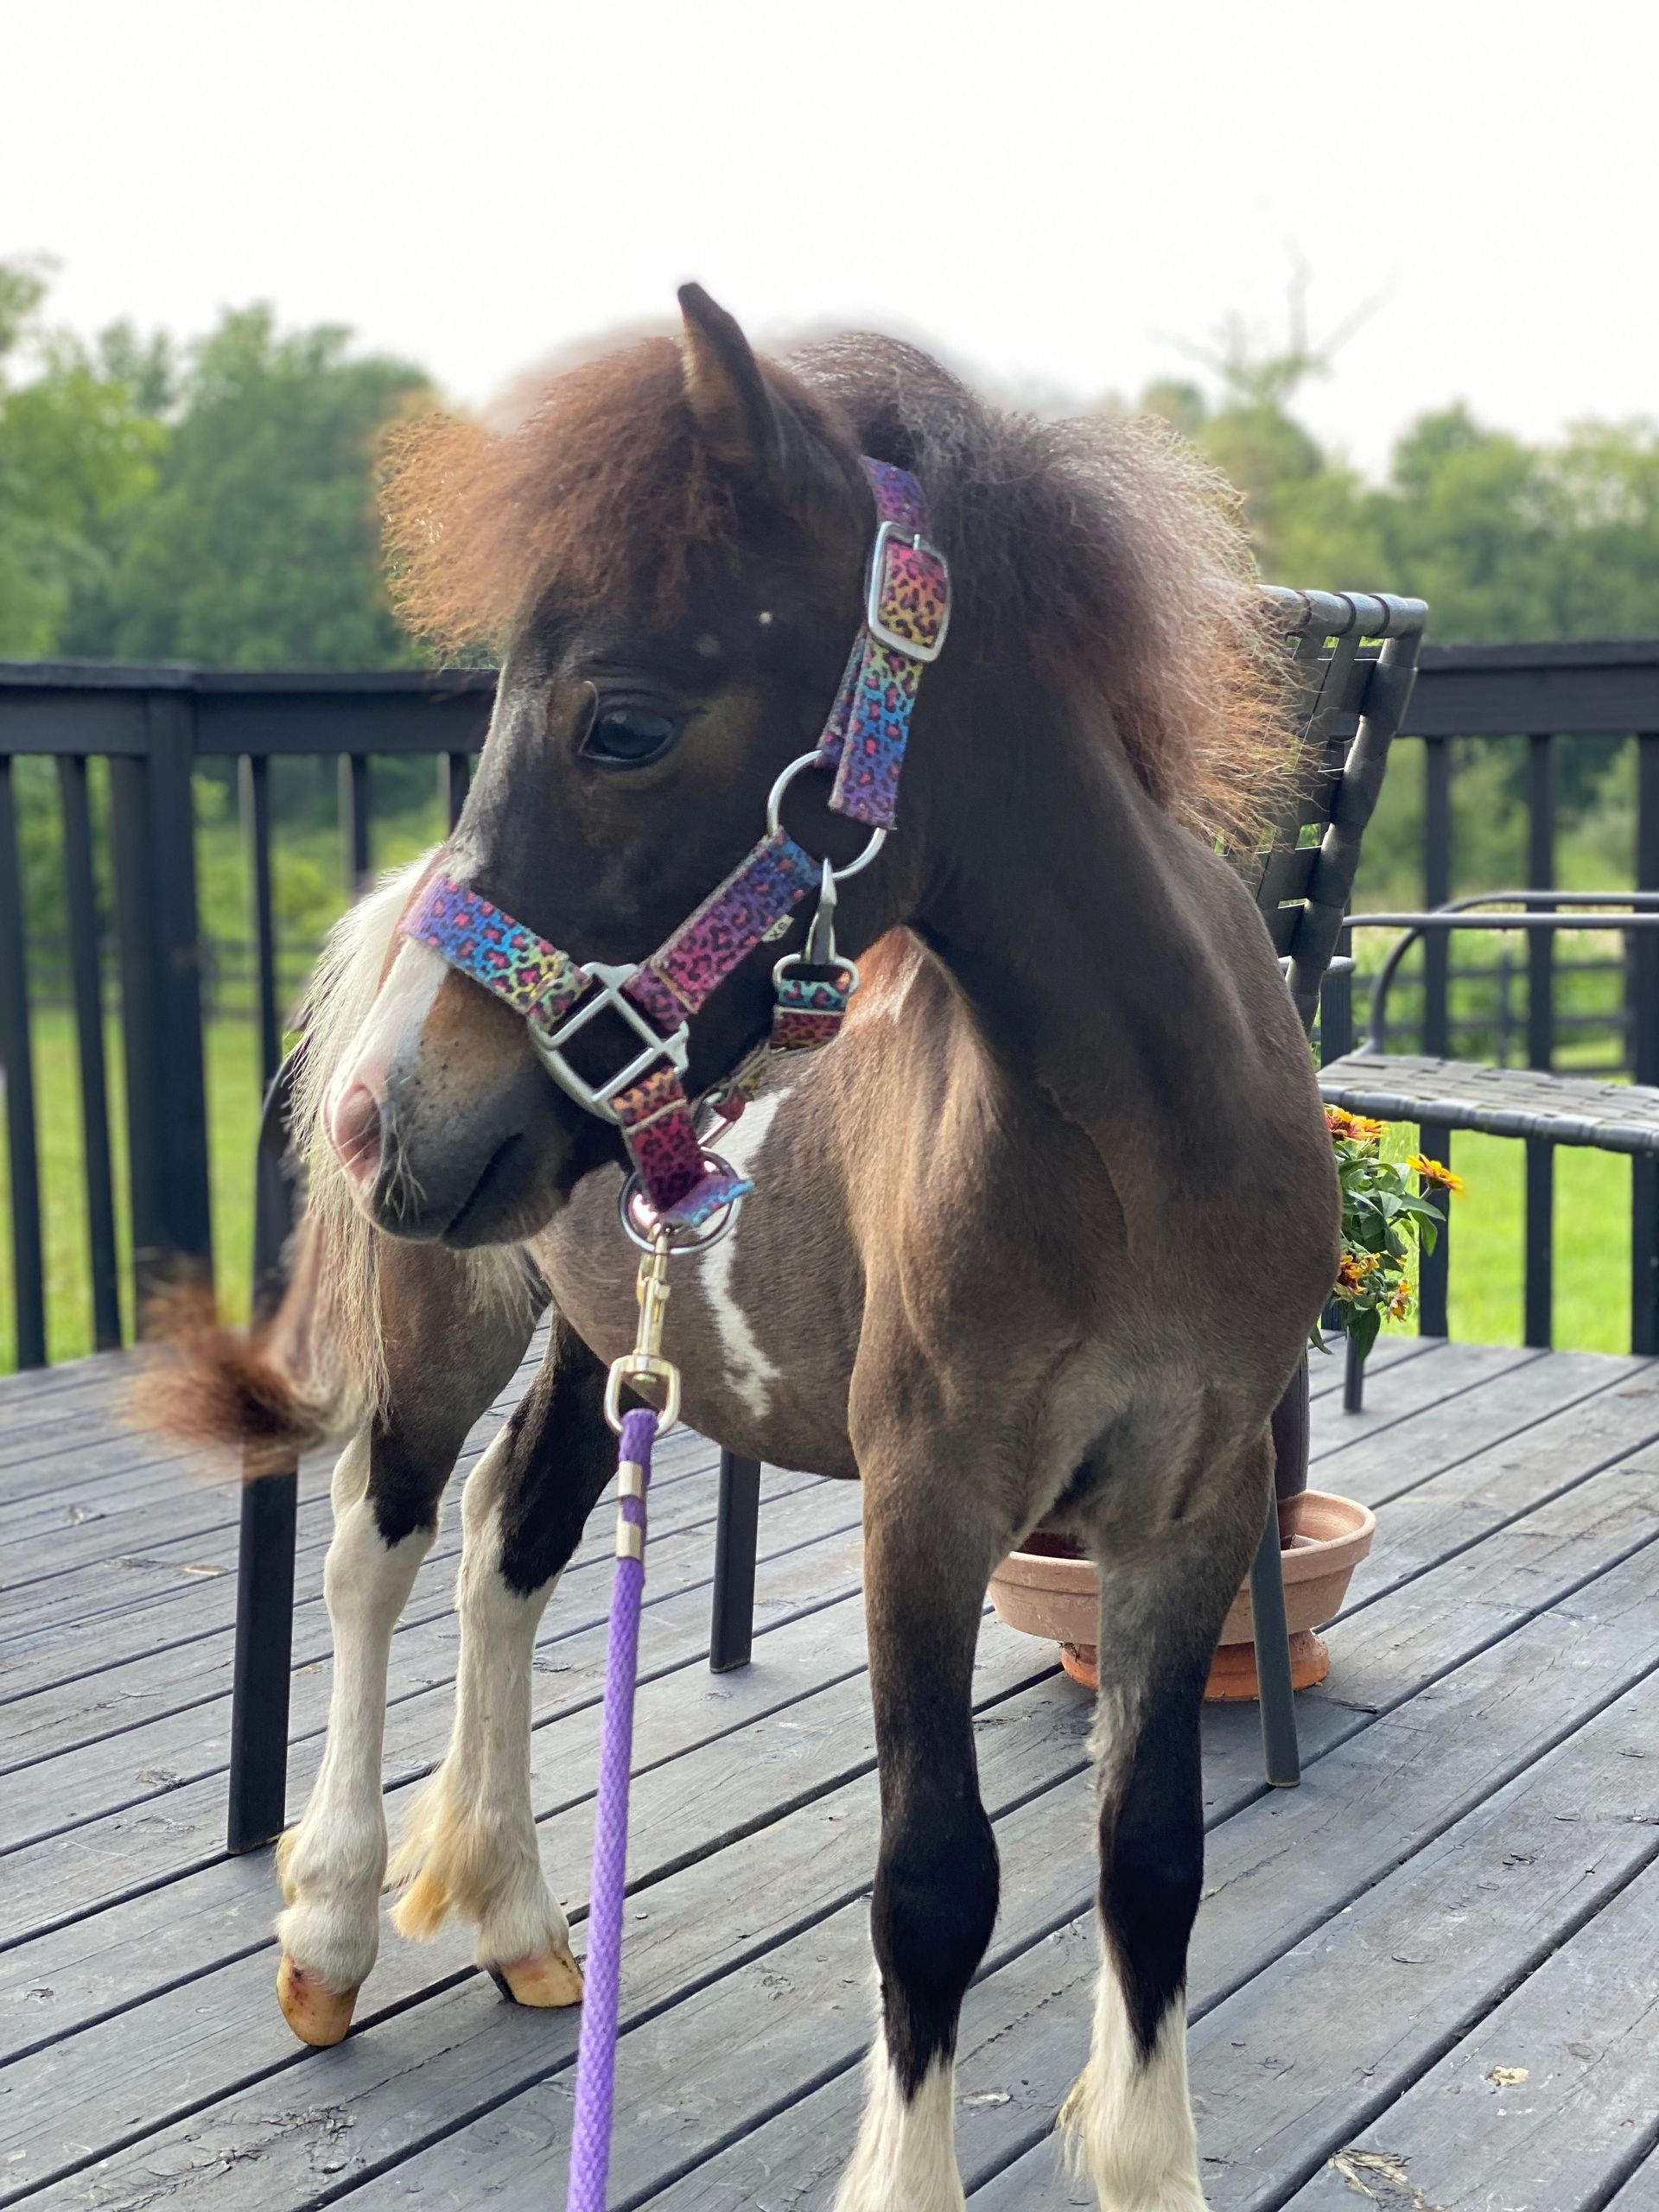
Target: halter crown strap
x: 906, y: 613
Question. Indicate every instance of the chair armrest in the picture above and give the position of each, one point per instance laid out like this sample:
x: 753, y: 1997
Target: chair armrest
x: 1543, y: 911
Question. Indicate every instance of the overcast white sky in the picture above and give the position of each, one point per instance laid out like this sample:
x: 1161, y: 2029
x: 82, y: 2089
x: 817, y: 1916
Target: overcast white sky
x: 1044, y: 190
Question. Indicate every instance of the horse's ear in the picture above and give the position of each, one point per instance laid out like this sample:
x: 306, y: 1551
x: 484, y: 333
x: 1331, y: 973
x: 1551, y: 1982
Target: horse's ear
x: 727, y: 391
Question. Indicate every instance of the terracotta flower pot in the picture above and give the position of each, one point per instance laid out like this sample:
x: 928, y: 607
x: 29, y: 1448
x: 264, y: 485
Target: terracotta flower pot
x: 1049, y: 1589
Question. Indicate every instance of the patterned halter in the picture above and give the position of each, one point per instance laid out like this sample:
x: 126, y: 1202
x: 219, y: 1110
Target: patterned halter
x: 907, y: 613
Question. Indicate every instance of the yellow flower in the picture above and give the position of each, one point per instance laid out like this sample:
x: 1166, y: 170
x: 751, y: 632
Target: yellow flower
x: 1350, y: 1128
x: 1352, y: 1269
x: 1435, y: 1171
x: 1399, y: 1304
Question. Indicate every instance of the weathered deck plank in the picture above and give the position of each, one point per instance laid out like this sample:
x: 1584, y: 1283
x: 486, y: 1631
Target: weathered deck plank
x: 1549, y: 2100
x: 1498, y: 1642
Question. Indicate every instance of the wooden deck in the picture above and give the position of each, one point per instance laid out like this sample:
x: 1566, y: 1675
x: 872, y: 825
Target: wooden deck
x: 1425, y: 1982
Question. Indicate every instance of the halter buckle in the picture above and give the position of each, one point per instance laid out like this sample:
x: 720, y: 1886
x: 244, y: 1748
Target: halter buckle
x: 548, y: 1044
x: 889, y: 535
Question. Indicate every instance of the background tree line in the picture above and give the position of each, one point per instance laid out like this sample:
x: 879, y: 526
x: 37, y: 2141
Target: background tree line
x: 214, y: 501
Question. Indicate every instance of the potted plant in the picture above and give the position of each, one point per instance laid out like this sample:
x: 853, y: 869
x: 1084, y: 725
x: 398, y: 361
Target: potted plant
x: 1048, y: 1589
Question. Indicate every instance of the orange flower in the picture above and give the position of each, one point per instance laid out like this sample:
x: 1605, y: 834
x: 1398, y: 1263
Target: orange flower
x: 1399, y: 1304
x: 1352, y: 1269
x: 1436, y: 1171
x: 1350, y: 1128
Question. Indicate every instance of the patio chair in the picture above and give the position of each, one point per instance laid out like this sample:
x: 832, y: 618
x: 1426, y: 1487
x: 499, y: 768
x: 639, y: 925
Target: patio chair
x: 1352, y: 696
x: 1545, y: 1109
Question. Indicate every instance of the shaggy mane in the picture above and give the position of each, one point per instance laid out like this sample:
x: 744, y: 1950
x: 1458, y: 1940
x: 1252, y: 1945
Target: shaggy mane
x: 1101, y: 547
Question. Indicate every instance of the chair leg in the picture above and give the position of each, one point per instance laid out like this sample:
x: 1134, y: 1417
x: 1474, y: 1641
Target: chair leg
x: 264, y: 1651
x: 1353, y: 1378
x: 1268, y: 1625
x: 1277, y: 1698
x: 736, y: 1534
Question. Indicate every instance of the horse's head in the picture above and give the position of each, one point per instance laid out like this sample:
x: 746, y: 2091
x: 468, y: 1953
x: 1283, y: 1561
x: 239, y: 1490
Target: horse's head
x: 681, y: 535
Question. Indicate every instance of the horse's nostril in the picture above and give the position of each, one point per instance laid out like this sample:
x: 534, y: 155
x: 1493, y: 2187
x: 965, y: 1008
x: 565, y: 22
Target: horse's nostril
x: 355, y: 1130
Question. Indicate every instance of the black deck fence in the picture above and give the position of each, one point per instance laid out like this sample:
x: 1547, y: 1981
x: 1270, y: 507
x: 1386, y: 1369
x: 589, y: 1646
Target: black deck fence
x: 131, y: 939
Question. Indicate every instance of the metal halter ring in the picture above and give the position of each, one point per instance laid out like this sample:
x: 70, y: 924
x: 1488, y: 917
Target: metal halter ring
x: 640, y: 1226
x: 774, y: 817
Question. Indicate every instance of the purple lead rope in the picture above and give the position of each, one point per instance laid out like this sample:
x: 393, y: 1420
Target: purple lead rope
x: 590, y: 2141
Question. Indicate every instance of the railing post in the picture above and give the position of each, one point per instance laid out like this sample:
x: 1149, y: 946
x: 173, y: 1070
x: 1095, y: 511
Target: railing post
x: 1434, y: 1273
x: 86, y: 955
x: 1437, y: 889
x: 1538, y: 1293
x: 1645, y: 1173
x: 354, y: 774
x: 153, y: 827
x: 17, y: 1068
x: 253, y: 788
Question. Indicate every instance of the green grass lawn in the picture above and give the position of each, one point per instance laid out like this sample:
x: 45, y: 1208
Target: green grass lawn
x: 1592, y: 1230
x: 1593, y: 1243
x: 233, y: 1075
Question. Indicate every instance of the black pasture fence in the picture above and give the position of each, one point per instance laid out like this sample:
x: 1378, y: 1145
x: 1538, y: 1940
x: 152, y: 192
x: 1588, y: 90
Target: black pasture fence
x: 127, y: 956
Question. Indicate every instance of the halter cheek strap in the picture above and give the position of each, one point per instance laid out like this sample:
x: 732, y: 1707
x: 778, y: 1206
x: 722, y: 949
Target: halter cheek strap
x: 906, y: 613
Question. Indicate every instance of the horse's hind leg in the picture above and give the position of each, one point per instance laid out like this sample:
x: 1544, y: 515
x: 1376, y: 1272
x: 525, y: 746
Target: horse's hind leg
x: 471, y: 1846
x: 1165, y: 1590
x: 929, y: 1547
x: 445, y: 1363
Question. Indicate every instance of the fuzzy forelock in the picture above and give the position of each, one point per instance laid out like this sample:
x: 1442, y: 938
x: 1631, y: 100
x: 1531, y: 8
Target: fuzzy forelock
x: 602, y: 489
x: 1102, y: 548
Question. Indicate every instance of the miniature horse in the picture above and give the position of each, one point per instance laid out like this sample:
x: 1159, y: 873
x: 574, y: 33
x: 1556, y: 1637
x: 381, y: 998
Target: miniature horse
x: 1040, y: 1238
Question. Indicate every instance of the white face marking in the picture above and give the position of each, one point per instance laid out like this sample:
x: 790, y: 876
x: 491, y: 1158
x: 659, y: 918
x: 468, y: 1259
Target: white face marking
x: 748, y: 1371
x: 400, y: 1007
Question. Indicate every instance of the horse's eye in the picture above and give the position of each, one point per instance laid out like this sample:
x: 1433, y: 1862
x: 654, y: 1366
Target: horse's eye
x: 628, y: 737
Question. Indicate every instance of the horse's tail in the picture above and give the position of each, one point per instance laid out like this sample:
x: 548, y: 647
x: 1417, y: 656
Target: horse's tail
x: 314, y: 1368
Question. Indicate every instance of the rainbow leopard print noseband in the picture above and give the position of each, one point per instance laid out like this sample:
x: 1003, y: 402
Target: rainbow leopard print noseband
x: 682, y: 1186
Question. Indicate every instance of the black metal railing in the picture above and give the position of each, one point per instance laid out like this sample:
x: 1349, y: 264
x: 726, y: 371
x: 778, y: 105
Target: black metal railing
x: 155, y: 728
x: 128, y: 936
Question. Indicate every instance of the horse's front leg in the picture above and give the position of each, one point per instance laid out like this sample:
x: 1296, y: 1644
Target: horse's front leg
x: 932, y: 1535
x: 331, y: 1865
x: 471, y: 1845
x: 446, y: 1359
x: 1164, y: 1589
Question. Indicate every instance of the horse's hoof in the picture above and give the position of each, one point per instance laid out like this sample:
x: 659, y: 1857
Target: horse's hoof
x: 549, y: 1977
x: 317, y: 2014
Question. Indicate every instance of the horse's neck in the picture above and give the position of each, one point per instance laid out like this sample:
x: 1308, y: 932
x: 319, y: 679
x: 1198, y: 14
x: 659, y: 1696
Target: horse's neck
x: 1073, y: 916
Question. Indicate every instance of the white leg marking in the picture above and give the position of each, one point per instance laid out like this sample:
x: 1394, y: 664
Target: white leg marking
x: 906, y: 2157
x: 472, y: 1844
x: 749, y: 1371
x: 332, y: 1865
x: 1129, y: 2120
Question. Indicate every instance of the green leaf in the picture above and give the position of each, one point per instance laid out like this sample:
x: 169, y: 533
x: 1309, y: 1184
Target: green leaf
x: 1363, y: 1329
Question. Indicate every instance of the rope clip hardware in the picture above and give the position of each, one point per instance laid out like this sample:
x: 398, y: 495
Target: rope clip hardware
x: 645, y: 1362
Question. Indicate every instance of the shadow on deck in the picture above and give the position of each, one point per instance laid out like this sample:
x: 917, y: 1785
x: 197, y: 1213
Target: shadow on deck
x: 1425, y: 1980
